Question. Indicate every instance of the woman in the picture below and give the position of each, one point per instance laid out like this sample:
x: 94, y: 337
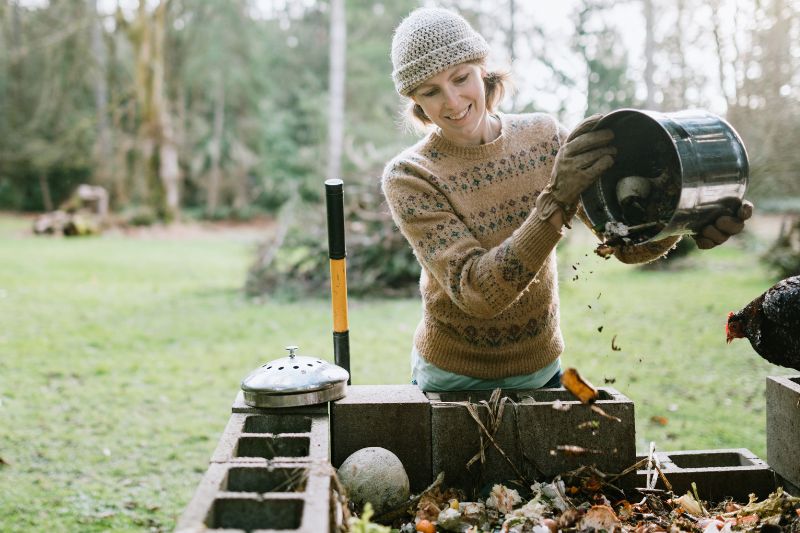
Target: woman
x: 483, y: 199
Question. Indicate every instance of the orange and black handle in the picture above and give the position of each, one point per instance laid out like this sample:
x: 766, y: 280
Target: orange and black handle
x: 334, y: 200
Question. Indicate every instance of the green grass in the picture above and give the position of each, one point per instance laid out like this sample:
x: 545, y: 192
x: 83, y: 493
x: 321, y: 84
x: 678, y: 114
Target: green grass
x: 120, y: 357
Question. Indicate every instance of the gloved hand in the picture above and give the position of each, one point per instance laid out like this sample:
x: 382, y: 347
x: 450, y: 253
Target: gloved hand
x: 723, y: 228
x: 584, y: 156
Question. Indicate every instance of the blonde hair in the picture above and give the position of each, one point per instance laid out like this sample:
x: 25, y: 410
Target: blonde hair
x: 495, y: 84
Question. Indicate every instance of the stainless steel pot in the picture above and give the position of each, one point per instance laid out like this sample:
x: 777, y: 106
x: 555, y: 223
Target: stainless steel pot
x: 294, y: 381
x: 691, y: 167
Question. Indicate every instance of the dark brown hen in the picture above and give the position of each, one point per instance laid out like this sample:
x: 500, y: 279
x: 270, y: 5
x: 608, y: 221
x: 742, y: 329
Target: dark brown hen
x: 772, y: 323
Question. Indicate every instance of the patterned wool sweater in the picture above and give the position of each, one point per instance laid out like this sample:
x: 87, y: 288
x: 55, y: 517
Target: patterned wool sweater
x: 489, y: 283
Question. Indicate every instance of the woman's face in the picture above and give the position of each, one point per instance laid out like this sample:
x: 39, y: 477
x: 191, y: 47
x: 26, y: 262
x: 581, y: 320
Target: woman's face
x: 455, y: 100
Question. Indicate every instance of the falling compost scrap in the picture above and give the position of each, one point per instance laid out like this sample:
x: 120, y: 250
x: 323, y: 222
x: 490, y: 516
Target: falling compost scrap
x: 571, y: 450
x: 614, y: 346
x: 578, y: 386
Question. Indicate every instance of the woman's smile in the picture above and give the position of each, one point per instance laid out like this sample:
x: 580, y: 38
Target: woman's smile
x: 459, y: 117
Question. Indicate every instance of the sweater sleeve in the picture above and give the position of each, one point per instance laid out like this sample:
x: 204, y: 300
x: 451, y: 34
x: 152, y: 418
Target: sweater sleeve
x: 481, y: 282
x: 645, y: 252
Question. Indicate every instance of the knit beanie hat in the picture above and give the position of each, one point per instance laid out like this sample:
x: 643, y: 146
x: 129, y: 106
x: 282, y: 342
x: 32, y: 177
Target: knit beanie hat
x: 428, y: 41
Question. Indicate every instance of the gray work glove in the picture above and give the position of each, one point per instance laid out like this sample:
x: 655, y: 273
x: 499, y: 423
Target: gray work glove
x: 723, y: 228
x: 584, y: 156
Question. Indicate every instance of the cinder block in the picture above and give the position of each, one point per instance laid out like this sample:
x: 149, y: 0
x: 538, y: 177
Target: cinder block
x: 783, y: 430
x: 718, y: 474
x: 247, y: 496
x: 264, y: 437
x: 395, y: 417
x: 530, y: 433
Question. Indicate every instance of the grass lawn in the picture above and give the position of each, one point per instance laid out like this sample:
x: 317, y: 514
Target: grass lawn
x: 120, y: 357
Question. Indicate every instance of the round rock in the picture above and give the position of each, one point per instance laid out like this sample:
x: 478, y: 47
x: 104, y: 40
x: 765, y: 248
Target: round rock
x: 377, y: 476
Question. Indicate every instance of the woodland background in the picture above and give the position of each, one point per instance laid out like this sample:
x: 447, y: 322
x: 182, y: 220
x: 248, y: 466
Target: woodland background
x: 222, y: 108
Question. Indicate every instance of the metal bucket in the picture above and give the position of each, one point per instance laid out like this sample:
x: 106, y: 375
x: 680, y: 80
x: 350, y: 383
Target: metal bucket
x: 696, y: 159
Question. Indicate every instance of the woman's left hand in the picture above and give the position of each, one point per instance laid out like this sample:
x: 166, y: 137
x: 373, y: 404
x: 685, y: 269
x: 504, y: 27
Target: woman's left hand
x: 723, y: 228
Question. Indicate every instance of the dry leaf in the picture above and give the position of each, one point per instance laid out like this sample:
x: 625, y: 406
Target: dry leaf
x: 600, y: 517
x: 614, y: 344
x: 660, y: 420
x: 582, y: 389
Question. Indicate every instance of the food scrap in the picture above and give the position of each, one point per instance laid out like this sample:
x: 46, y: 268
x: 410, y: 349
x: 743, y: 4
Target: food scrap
x: 604, y: 250
x: 570, y: 450
x: 578, y: 386
x: 587, y: 500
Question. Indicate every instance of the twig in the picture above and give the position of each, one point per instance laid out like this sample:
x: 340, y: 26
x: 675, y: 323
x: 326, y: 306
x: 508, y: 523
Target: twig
x: 474, y: 413
x: 634, y: 466
x: 402, y: 509
x: 651, y: 453
x: 667, y: 484
x: 599, y: 410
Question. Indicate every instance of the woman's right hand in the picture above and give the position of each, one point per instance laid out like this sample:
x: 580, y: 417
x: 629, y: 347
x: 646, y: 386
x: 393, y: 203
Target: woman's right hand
x: 581, y: 160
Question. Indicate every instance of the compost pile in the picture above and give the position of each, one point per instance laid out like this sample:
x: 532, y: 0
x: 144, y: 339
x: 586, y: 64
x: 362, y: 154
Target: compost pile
x: 585, y: 501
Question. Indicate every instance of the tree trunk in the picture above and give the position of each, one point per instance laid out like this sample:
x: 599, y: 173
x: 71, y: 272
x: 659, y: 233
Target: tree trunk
x: 102, y: 148
x: 168, y: 168
x: 649, y: 52
x: 336, y: 80
x: 47, y: 199
x: 730, y: 98
x: 158, y: 180
x: 215, y: 149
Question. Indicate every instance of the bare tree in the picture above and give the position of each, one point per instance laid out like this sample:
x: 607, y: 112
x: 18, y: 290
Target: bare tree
x: 102, y: 155
x: 336, y: 93
x: 649, y: 54
x: 215, y: 146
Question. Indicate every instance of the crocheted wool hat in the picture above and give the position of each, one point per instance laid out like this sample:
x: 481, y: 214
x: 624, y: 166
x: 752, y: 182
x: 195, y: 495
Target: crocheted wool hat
x: 428, y: 41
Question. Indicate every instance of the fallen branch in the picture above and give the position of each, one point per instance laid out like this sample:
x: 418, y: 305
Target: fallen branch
x: 402, y: 509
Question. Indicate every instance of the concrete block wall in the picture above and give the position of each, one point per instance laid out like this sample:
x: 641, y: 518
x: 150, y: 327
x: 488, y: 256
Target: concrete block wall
x: 270, y: 472
x: 531, y: 434
x: 717, y: 474
x: 395, y: 417
x: 278, y: 496
x: 783, y: 430
x: 272, y: 467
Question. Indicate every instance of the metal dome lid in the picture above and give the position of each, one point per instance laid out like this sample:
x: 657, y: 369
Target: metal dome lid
x: 294, y: 380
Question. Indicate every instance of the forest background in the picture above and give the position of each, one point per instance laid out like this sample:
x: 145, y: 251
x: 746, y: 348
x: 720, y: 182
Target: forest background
x: 222, y: 108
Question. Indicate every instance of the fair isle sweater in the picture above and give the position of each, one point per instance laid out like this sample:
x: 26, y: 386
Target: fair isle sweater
x: 489, y: 283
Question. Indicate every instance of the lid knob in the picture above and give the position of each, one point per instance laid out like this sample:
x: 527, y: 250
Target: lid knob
x: 291, y: 350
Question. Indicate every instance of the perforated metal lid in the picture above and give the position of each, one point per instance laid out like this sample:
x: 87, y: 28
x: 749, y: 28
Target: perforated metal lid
x: 294, y: 380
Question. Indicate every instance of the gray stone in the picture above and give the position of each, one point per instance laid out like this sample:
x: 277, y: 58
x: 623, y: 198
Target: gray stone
x: 783, y: 430
x: 375, y: 475
x: 395, y: 417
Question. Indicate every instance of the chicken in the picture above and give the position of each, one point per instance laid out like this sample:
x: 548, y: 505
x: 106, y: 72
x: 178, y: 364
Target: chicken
x: 772, y: 323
